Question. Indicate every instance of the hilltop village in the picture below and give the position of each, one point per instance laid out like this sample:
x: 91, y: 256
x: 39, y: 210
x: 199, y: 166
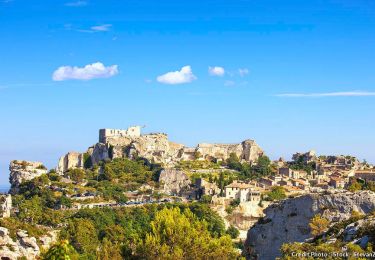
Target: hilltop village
x: 129, y: 169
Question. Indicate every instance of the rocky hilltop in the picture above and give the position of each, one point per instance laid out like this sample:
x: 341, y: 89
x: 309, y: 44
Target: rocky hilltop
x: 156, y: 147
x: 288, y: 220
x: 21, y: 171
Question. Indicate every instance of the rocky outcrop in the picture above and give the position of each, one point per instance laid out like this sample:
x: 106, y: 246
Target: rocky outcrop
x: 174, y: 181
x: 154, y: 147
x: 247, y: 150
x: 5, y: 205
x: 21, y: 171
x: 288, y: 220
x: 70, y: 161
x: 24, y: 245
x: 158, y: 149
x: 100, y: 152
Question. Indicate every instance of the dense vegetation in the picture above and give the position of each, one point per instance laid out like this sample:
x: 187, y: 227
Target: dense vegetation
x: 358, y: 184
x: 171, y: 231
x: 262, y: 168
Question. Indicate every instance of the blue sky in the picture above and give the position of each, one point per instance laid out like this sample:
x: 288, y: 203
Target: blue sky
x: 307, y: 76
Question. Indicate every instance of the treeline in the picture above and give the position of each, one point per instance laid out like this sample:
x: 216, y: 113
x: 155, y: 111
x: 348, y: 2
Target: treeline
x: 172, y: 231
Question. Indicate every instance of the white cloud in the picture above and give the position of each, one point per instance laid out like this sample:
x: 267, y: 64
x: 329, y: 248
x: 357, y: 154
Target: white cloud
x: 90, y: 71
x: 243, y: 72
x: 101, y: 28
x: 216, y: 71
x: 330, y: 94
x: 185, y: 75
x: 229, y: 83
x: 76, y: 4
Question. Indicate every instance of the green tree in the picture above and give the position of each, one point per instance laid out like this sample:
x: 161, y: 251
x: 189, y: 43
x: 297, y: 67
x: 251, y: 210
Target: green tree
x: 61, y: 251
x: 83, y: 236
x: 31, y: 210
x: 175, y: 235
x: 77, y: 175
x: 233, y: 232
x: 318, y: 225
x: 109, y: 251
x: 277, y: 193
x: 355, y: 186
x: 206, y: 199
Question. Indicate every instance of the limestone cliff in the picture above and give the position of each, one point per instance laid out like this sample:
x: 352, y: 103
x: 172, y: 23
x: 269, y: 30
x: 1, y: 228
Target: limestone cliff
x: 70, y: 160
x: 21, y: 171
x: 287, y: 221
x: 157, y: 148
x: 174, y: 181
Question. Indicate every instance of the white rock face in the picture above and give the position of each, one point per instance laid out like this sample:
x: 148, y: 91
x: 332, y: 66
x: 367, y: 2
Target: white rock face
x: 70, y: 161
x: 24, y: 246
x: 21, y: 171
x: 5, y: 205
x: 288, y: 220
x: 157, y: 148
x: 174, y: 181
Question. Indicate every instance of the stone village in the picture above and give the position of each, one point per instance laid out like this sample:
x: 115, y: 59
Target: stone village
x: 179, y: 183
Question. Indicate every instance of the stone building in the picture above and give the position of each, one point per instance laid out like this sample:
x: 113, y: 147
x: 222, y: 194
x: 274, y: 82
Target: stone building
x: 132, y: 132
x: 242, y: 191
x: 205, y: 188
x: 365, y: 175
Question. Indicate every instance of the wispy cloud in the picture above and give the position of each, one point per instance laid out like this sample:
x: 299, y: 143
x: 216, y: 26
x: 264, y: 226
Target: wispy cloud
x: 243, y: 72
x: 216, y: 71
x: 76, y: 4
x: 229, y: 83
x: 185, y: 75
x: 101, y: 28
x: 6, y: 1
x: 329, y: 94
x: 90, y: 71
x: 92, y: 29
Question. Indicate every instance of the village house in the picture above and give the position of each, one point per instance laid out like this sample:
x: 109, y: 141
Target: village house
x: 242, y: 191
x: 368, y: 175
x: 295, y: 174
x: 266, y: 182
x: 337, y: 182
x: 205, y: 188
x: 301, y: 183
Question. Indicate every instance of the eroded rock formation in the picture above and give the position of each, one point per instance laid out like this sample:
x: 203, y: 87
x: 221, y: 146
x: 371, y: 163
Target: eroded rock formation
x: 24, y: 245
x: 174, y: 181
x: 21, y: 171
x: 5, y: 205
x: 288, y: 221
x: 69, y: 161
x: 157, y: 148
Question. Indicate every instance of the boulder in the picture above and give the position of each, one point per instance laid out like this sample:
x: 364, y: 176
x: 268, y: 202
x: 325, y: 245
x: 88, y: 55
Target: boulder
x: 288, y: 220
